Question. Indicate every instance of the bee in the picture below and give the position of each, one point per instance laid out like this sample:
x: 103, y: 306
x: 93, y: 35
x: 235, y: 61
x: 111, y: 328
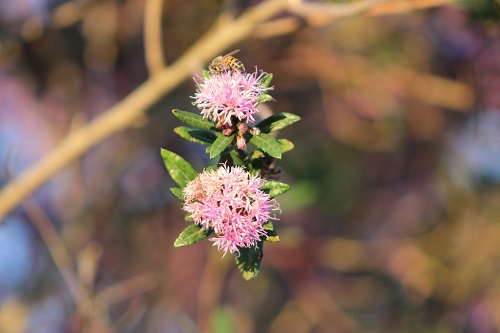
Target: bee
x: 226, y: 63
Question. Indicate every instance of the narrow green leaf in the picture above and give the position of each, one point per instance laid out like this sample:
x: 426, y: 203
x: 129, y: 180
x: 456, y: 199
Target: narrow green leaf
x: 177, y: 192
x: 277, y: 122
x: 268, y: 144
x: 275, y: 188
x: 254, y: 172
x: 236, y: 158
x: 249, y: 260
x: 272, y: 235
x: 268, y: 226
x: 265, y: 98
x: 286, y: 145
x: 193, y: 119
x: 178, y: 168
x: 192, y: 234
x: 257, y: 154
x: 206, y: 74
x: 266, y: 80
x: 221, y: 143
x: 201, y: 136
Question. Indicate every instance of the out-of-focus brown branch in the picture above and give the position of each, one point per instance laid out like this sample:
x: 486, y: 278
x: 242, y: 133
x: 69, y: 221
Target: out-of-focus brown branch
x: 312, y: 12
x: 317, y: 14
x: 125, y: 289
x: 398, y: 7
x: 153, y: 44
x: 210, y: 288
x: 91, y: 306
x: 57, y: 251
x: 125, y: 113
x: 311, y: 9
x: 63, y: 262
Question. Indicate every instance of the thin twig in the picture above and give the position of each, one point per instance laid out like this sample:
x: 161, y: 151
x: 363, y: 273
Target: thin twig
x: 332, y: 11
x: 319, y: 14
x: 398, y: 7
x: 59, y: 254
x: 329, y: 12
x: 153, y: 43
x: 125, y: 289
x: 91, y: 306
x: 57, y: 251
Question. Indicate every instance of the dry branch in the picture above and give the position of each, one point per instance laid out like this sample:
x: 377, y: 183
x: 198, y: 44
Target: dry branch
x: 125, y: 113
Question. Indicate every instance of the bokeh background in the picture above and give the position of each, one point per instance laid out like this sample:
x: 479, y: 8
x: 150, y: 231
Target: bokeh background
x: 393, y: 222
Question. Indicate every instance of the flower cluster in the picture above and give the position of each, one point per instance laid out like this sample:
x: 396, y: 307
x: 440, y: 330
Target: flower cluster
x: 232, y: 204
x: 229, y: 96
x: 229, y: 201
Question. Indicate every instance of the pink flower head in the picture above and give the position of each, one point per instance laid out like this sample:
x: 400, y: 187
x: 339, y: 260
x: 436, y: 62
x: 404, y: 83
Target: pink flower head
x: 229, y: 96
x: 229, y: 201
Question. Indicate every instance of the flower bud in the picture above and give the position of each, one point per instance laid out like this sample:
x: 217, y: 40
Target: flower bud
x: 240, y: 142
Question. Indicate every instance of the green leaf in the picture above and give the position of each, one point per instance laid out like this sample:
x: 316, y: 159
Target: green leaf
x: 266, y: 80
x: 254, y: 171
x: 277, y: 122
x: 178, y: 168
x: 221, y: 143
x: 249, y: 260
x: 275, y: 188
x: 236, y: 158
x: 286, y: 145
x: 192, y: 234
x: 265, y: 98
x: 201, y: 136
x: 257, y: 154
x: 268, y: 144
x: 206, y: 74
x: 268, y: 226
x: 193, y: 119
x: 272, y: 235
x: 177, y: 192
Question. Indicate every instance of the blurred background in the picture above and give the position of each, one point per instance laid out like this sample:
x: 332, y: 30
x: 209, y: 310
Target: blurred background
x: 393, y: 221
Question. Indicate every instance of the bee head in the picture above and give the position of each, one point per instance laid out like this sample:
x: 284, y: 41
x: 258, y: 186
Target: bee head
x: 214, y: 66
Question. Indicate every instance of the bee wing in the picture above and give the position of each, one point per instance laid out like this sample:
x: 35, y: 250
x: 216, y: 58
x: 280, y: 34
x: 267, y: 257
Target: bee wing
x: 216, y: 59
x: 231, y: 53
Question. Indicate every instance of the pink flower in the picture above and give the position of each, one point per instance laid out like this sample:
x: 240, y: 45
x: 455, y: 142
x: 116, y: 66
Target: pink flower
x: 229, y: 96
x: 229, y: 201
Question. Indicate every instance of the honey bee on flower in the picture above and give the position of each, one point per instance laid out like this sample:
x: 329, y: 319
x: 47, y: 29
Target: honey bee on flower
x: 226, y: 63
x: 230, y: 97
